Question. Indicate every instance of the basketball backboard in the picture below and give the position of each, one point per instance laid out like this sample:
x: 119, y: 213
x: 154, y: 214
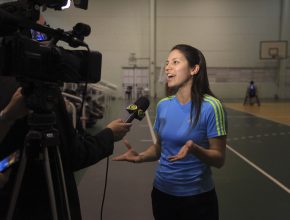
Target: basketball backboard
x: 272, y: 50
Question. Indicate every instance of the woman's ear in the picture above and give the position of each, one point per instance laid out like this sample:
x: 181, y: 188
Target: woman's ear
x: 195, y: 70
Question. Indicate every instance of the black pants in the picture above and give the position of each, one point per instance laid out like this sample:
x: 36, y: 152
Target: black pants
x: 199, y: 207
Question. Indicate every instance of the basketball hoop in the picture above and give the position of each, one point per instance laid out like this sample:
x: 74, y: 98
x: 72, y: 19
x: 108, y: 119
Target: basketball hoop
x: 273, y: 50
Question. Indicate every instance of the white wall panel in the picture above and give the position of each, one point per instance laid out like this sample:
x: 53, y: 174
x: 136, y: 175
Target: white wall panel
x: 227, y: 31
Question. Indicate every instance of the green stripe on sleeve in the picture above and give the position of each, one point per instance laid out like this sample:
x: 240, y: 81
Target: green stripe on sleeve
x: 221, y: 110
x: 219, y: 113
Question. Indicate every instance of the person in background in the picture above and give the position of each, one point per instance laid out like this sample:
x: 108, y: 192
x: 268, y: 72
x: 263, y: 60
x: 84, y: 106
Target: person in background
x: 128, y: 92
x: 252, y: 93
x: 191, y: 138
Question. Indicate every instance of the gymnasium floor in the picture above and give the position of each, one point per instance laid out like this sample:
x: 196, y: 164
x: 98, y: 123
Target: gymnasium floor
x: 254, y: 184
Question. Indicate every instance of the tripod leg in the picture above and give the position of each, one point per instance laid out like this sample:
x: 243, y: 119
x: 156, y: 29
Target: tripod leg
x: 59, y: 163
x: 49, y: 184
x: 16, y: 188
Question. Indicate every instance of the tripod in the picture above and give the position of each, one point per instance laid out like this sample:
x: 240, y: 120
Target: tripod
x: 41, y: 142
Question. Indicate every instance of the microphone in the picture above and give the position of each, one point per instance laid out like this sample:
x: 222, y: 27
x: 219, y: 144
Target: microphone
x: 75, y: 37
x: 81, y: 30
x: 137, y: 110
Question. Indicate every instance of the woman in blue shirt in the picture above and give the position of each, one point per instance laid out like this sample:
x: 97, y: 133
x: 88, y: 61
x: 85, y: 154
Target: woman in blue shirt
x: 191, y: 137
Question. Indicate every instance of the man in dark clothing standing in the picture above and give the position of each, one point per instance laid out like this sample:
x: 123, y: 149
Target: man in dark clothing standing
x: 77, y: 152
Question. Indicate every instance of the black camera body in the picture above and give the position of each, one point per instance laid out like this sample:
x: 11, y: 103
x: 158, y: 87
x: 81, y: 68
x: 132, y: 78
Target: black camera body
x: 23, y: 57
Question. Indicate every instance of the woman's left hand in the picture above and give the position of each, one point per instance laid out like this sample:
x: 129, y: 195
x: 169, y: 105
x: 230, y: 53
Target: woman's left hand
x: 184, y: 150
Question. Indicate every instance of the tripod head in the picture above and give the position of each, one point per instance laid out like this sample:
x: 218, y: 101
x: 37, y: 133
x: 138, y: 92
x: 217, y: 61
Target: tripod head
x: 40, y: 96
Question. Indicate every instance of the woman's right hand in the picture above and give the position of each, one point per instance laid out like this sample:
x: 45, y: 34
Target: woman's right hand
x: 130, y: 155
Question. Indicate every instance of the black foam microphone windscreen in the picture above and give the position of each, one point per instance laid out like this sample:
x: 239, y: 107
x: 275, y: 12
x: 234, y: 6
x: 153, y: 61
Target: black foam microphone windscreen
x: 137, y: 110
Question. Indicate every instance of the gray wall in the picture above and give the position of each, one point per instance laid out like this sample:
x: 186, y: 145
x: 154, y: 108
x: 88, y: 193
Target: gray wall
x: 227, y: 31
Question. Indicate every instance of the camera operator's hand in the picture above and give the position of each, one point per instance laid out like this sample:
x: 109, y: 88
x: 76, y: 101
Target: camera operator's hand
x: 16, y: 108
x: 119, y: 128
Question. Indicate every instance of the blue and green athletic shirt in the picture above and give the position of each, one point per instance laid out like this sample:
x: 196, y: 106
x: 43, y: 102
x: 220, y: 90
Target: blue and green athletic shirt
x: 189, y: 176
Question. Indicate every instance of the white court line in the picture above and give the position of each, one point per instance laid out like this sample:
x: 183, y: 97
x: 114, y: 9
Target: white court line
x: 282, y: 186
x: 150, y: 127
x: 260, y: 170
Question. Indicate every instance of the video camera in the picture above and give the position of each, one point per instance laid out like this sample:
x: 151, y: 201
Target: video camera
x: 23, y: 55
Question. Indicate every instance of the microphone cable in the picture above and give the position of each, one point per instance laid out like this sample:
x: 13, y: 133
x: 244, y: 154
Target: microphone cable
x: 105, y: 188
x: 141, y: 105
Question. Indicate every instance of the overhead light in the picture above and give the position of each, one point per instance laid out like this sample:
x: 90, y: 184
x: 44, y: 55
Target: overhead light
x: 67, y: 5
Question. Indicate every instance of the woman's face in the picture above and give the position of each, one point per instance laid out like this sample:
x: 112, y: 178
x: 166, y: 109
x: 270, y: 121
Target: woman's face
x: 177, y: 70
